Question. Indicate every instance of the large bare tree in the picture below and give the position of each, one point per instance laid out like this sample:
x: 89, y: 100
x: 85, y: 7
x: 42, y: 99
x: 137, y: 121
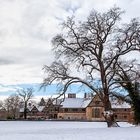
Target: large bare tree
x: 26, y: 95
x: 89, y: 50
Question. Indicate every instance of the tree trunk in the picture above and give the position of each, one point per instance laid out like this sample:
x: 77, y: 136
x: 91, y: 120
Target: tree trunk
x: 136, y: 108
x: 108, y: 113
x: 25, y: 114
x: 110, y: 119
x: 25, y: 111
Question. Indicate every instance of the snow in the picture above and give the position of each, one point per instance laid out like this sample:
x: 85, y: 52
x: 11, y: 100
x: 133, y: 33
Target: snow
x: 21, y: 110
x: 120, y: 105
x: 51, y: 130
x: 76, y: 103
x: 40, y: 108
x: 83, y: 103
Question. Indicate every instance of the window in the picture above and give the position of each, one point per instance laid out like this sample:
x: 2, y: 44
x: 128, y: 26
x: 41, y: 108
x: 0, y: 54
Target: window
x: 116, y: 116
x: 55, y: 116
x: 66, y: 110
x: 56, y: 108
x: 96, y: 113
x: 68, y: 118
x: 75, y: 110
x: 125, y: 117
x: 83, y: 109
x: 97, y: 102
x: 125, y: 109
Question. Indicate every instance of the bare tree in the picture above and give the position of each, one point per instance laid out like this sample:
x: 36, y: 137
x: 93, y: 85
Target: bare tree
x: 91, y: 49
x: 26, y: 95
x: 12, y: 106
x: 1, y: 104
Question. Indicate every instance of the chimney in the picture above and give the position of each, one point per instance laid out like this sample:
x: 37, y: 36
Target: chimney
x: 85, y: 95
x: 88, y: 95
x: 71, y: 95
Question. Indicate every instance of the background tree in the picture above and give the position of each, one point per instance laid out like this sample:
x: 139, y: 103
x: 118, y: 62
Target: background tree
x: 26, y: 95
x: 128, y: 76
x: 87, y: 51
x: 12, y: 106
x: 1, y: 104
x: 3, y: 112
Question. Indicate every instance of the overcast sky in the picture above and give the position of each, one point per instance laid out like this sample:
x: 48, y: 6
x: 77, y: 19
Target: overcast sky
x: 27, y: 26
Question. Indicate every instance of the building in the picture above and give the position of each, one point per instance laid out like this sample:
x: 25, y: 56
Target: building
x: 46, y: 109
x: 73, y: 109
x: 122, y: 111
x: 89, y: 108
x: 51, y: 109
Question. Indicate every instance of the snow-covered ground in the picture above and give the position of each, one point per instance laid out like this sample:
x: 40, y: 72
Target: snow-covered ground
x: 50, y: 130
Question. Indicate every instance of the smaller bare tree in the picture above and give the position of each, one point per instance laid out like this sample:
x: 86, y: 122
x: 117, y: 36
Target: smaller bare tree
x: 1, y: 104
x: 12, y: 106
x: 26, y: 95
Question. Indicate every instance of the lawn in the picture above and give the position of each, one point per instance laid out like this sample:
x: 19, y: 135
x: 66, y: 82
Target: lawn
x: 51, y: 130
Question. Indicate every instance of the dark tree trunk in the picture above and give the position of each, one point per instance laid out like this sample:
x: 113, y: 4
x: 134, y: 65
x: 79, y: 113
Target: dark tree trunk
x: 25, y: 111
x: 136, y: 108
x: 110, y: 119
x: 25, y: 114
x: 109, y: 114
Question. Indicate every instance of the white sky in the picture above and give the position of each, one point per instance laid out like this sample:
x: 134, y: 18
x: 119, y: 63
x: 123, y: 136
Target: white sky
x: 27, y: 26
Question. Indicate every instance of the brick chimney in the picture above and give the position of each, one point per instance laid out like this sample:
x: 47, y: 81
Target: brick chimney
x: 71, y: 95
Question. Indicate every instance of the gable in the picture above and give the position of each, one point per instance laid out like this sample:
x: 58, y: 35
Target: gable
x: 34, y: 109
x: 96, y: 102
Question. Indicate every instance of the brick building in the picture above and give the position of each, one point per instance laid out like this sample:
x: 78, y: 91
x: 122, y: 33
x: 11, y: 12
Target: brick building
x: 46, y: 109
x: 92, y: 109
x: 87, y: 108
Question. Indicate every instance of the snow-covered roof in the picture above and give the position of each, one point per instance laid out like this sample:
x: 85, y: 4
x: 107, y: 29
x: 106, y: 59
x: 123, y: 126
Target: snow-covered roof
x: 120, y: 105
x: 30, y: 107
x: 75, y: 103
x: 40, y: 108
x: 21, y: 110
